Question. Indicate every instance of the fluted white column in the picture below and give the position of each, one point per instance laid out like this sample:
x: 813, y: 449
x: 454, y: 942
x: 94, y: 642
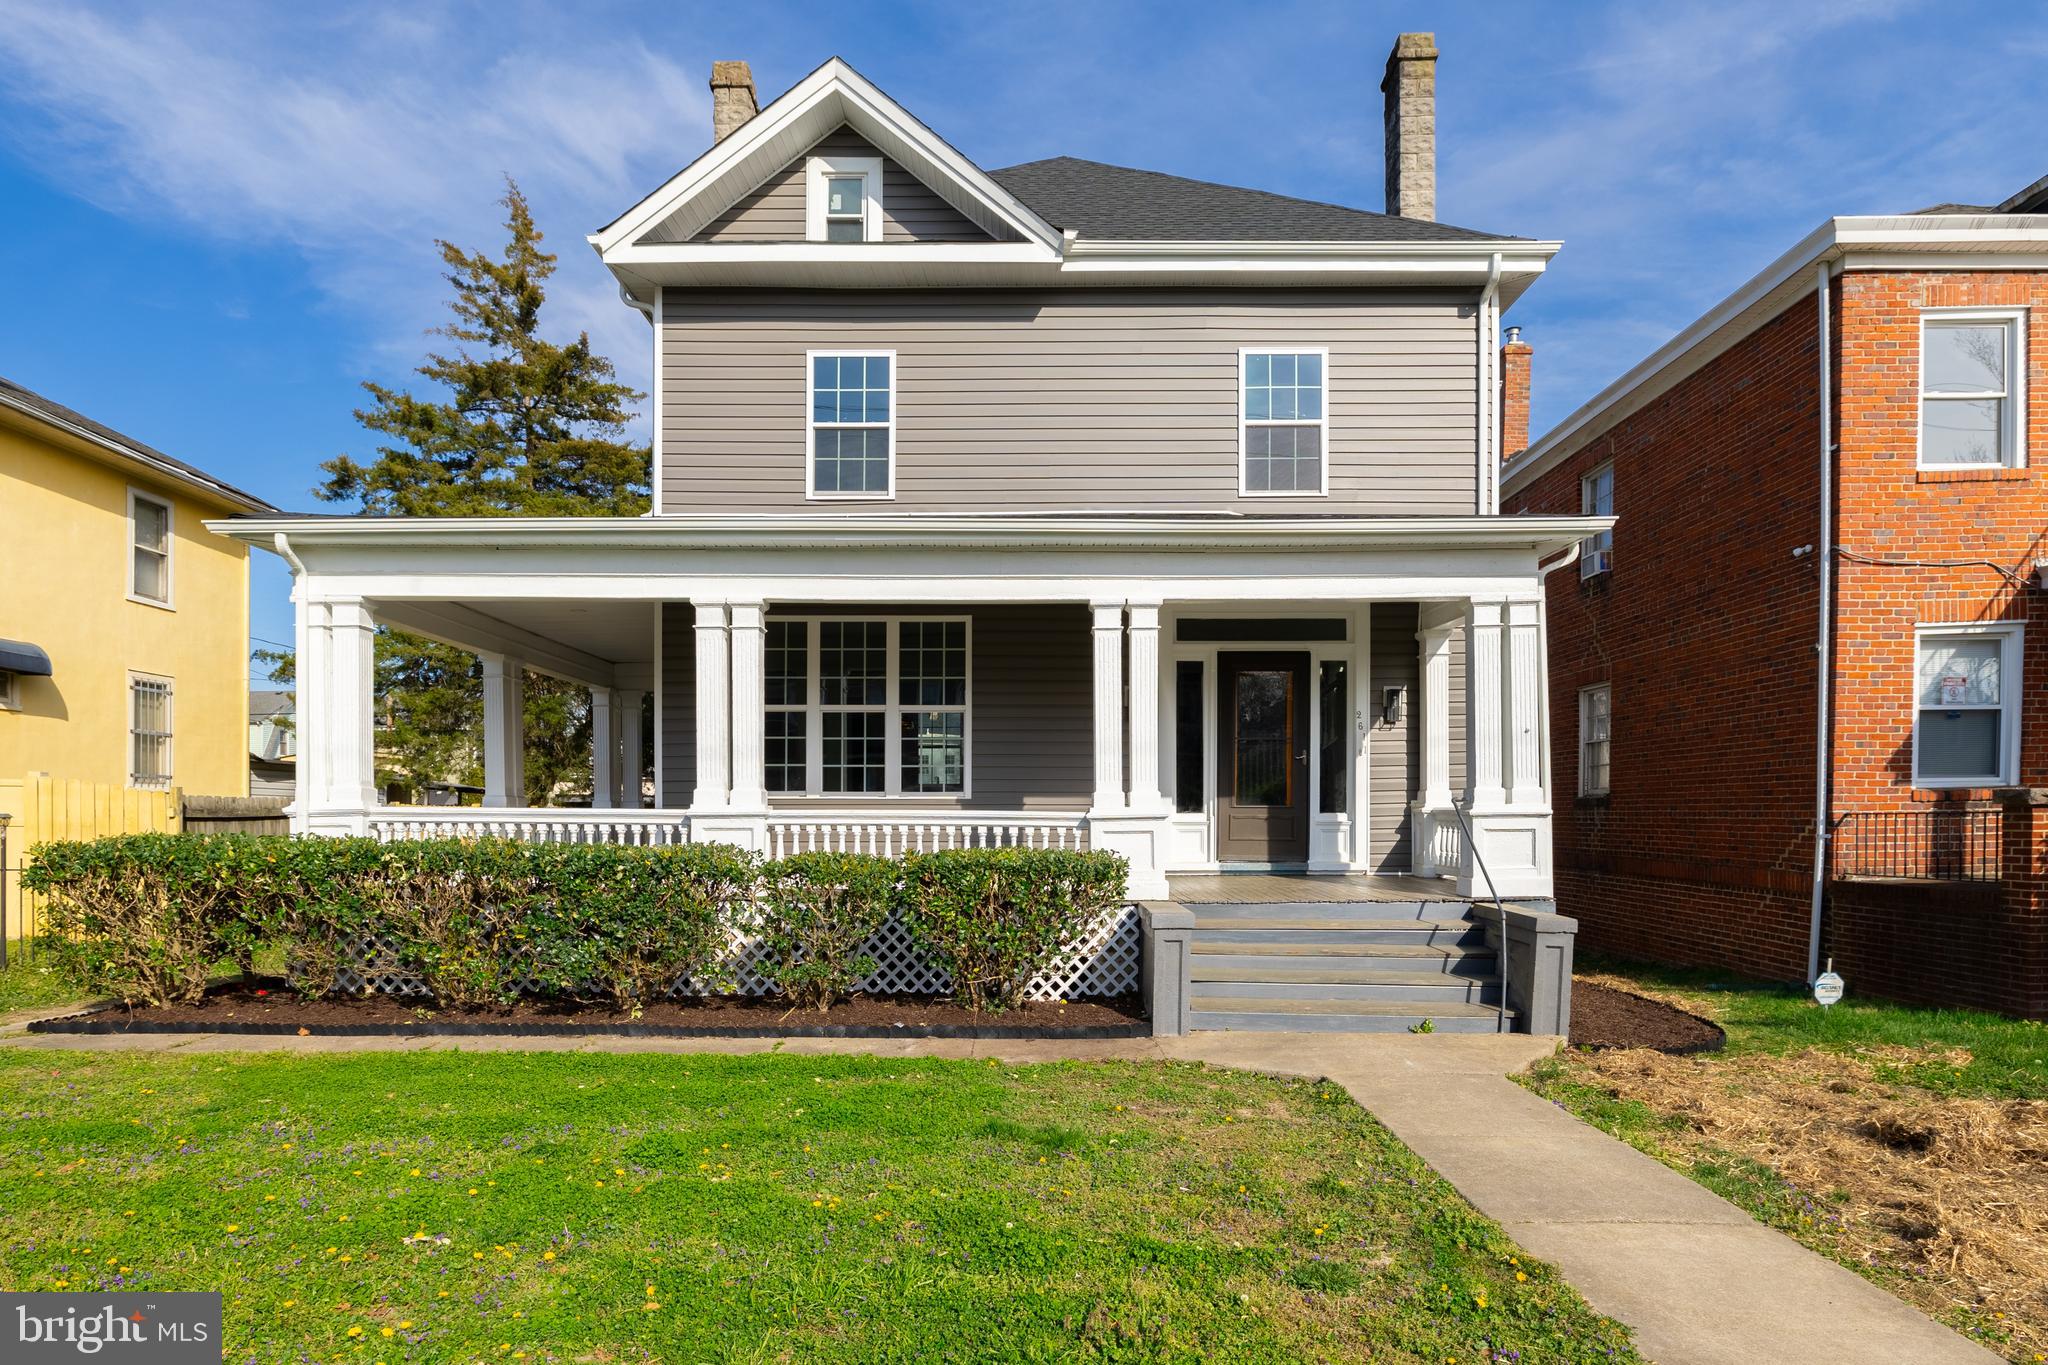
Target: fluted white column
x: 504, y: 730
x: 604, y: 749
x: 1483, y: 705
x: 1109, y: 708
x: 1433, y: 713
x: 714, y: 723
x: 316, y: 716
x: 749, y: 666
x: 1143, y: 638
x: 631, y: 709
x: 1523, y: 657
x: 352, y: 640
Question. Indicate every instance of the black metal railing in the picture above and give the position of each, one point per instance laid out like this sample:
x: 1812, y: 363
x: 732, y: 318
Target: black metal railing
x: 1942, y: 844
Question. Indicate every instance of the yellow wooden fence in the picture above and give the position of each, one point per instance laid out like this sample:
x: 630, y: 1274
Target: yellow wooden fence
x: 45, y: 808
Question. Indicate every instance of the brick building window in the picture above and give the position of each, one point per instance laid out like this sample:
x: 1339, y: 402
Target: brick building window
x: 1972, y: 376
x: 1596, y: 723
x: 1596, y: 499
x: 1966, y: 721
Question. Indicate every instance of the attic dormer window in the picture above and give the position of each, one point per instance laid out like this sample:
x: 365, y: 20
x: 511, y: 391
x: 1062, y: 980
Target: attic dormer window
x: 843, y: 199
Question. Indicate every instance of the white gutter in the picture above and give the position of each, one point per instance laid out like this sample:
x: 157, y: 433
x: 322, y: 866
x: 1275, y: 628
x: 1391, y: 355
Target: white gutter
x: 1823, y: 647
x: 282, y: 543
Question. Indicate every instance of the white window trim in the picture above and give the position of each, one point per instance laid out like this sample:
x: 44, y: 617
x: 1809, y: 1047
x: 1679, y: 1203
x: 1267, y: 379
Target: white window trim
x: 170, y: 732
x: 10, y: 690
x: 891, y: 707
x: 1588, y: 567
x: 1586, y: 787
x: 1244, y: 490
x: 818, y: 168
x: 811, y: 493
x: 2011, y: 654
x: 2013, y: 441
x: 168, y: 600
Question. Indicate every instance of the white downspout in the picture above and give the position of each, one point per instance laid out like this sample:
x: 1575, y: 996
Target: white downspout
x: 1823, y: 739
x: 1489, y: 425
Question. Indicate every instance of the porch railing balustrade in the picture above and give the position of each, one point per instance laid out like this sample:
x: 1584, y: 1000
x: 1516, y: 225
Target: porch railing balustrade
x: 895, y: 836
x: 548, y: 825
x: 1941, y: 844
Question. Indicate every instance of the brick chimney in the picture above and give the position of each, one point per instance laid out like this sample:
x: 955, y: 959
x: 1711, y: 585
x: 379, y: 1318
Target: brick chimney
x: 1514, y: 394
x: 1410, y: 90
x: 732, y: 98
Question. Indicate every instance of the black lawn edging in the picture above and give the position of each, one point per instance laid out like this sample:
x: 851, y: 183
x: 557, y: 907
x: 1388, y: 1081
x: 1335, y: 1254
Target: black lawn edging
x: 99, y: 1022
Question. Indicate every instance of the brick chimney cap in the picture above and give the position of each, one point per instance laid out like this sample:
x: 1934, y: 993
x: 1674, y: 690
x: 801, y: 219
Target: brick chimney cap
x: 731, y: 73
x: 1410, y: 47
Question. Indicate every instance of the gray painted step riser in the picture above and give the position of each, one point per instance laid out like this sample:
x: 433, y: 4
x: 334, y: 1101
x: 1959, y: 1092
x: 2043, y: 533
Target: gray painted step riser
x: 1336, y: 966
x: 1440, y: 936
x: 1337, y: 1023
x: 1436, y: 911
x: 1452, y: 991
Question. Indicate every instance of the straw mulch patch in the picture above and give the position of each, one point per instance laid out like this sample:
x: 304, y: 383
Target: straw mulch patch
x: 1944, y: 1199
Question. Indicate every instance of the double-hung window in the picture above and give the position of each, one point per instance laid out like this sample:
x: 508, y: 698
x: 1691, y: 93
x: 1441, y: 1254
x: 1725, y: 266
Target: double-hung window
x: 1966, y: 721
x: 149, y: 731
x: 1283, y: 423
x: 853, y: 426
x: 843, y: 199
x: 867, y: 707
x: 1972, y: 389
x: 1596, y: 725
x: 149, y: 549
x: 1596, y: 499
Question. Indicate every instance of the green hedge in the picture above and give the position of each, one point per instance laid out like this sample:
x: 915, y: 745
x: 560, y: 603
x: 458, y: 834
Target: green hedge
x: 149, y: 917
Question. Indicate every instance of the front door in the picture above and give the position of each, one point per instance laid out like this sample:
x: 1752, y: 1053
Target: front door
x: 1262, y: 748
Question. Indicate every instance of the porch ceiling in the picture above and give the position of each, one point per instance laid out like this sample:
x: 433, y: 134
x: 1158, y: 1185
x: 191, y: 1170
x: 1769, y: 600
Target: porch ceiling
x: 593, y: 640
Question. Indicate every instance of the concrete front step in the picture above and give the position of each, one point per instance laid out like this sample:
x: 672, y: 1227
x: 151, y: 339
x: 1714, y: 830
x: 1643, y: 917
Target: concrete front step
x: 1442, y: 912
x: 1341, y: 1016
x: 1331, y: 933
x: 1325, y: 959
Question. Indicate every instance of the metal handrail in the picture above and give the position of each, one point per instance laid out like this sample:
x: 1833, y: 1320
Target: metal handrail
x: 1500, y: 1018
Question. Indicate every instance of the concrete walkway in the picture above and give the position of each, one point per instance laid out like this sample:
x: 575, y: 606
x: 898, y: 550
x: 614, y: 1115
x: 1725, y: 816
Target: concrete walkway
x: 1699, y: 1281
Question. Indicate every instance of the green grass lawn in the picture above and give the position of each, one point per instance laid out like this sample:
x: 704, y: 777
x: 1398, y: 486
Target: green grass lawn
x: 443, y: 1206
x: 29, y: 981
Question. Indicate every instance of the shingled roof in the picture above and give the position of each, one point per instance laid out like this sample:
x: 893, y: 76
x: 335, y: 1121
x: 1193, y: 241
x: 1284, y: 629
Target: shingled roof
x: 1117, y: 203
x: 56, y: 414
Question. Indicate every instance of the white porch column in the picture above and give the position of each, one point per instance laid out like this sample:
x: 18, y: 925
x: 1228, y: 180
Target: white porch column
x: 1432, y: 805
x: 604, y: 749
x: 504, y: 730
x: 749, y: 666
x: 1483, y: 704
x: 631, y: 709
x: 1524, y: 661
x: 1135, y: 828
x: 315, y: 717
x: 1145, y: 794
x: 1109, y: 707
x: 352, y: 758
x: 713, y: 784
x: 1509, y: 852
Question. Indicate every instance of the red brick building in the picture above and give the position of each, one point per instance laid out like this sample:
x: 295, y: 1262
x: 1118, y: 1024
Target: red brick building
x: 1689, y: 658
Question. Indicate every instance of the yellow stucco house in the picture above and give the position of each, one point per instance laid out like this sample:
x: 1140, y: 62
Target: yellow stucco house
x: 124, y: 622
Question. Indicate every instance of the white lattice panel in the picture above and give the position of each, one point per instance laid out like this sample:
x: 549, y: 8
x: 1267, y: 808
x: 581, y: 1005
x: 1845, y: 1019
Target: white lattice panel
x: 1104, y: 960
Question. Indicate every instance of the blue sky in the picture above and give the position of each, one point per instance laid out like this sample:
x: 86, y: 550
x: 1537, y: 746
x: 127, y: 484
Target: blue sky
x: 220, y: 216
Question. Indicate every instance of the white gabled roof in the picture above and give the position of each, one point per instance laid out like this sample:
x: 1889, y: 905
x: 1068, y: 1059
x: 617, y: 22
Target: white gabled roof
x: 814, y: 107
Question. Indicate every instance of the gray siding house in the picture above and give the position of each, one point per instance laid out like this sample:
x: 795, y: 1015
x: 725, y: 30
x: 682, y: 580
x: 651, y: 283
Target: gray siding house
x: 1059, y: 505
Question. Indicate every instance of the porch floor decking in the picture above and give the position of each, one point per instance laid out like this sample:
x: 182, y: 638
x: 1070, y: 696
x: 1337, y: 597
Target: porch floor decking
x: 1296, y: 888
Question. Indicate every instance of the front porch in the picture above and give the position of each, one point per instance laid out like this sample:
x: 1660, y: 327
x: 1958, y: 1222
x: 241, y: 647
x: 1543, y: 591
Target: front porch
x: 1198, y: 695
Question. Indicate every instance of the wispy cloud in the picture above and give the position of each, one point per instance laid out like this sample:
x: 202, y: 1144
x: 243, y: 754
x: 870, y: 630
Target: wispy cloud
x: 355, y: 143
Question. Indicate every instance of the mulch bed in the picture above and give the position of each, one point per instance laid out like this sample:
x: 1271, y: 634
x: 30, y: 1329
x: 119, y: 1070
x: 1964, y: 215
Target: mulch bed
x: 1603, y: 1017
x: 267, y: 1008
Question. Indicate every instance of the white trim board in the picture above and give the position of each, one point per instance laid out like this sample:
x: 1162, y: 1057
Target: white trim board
x: 1911, y: 242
